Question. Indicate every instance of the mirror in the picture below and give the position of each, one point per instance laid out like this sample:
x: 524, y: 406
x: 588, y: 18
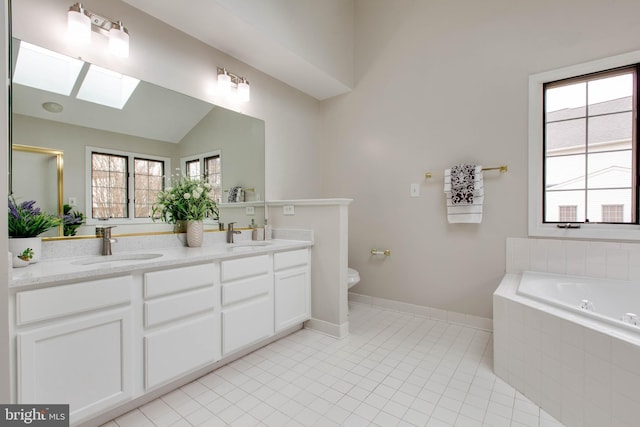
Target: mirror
x: 155, y: 122
x: 46, y: 163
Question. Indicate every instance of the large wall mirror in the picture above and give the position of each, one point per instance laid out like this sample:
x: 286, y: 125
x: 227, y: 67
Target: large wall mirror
x: 154, y: 124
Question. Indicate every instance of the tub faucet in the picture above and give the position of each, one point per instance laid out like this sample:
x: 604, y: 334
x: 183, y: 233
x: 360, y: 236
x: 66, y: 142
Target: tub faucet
x: 107, y: 240
x: 231, y: 232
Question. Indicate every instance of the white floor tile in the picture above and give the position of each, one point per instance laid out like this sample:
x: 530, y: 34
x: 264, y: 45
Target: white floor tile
x: 394, y: 369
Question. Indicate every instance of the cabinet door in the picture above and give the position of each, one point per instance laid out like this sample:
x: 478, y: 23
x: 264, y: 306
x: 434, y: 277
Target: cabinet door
x: 247, y: 323
x: 292, y: 297
x: 85, y: 363
x: 180, y: 349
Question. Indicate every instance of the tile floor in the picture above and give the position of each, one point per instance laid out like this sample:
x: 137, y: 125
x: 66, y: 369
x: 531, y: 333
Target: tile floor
x: 394, y: 369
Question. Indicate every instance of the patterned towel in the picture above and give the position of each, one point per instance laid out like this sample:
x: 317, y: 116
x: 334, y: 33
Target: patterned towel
x: 470, y: 212
x: 462, y: 184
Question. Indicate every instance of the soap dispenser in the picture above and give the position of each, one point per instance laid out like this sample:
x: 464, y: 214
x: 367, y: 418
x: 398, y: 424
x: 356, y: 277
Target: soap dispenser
x: 267, y: 230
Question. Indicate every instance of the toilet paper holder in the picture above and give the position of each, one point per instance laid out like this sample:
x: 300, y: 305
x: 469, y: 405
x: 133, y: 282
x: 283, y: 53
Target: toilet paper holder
x: 386, y: 252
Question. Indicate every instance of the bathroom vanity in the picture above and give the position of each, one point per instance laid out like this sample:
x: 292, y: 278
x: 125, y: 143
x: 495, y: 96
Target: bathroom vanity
x: 98, y: 333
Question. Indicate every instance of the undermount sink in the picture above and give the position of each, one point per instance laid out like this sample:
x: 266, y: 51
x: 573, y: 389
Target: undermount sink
x: 116, y: 258
x: 247, y: 245
x: 250, y: 243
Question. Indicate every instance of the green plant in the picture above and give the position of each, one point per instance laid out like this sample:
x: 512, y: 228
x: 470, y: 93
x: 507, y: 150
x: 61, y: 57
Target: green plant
x: 26, y: 255
x: 187, y: 199
x: 71, y: 220
x: 27, y: 220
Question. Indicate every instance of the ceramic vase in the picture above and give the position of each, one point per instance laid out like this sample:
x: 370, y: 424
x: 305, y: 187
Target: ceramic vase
x: 17, y: 245
x: 194, y: 234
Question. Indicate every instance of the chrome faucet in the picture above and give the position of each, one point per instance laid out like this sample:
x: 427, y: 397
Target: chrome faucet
x: 231, y: 232
x: 107, y: 240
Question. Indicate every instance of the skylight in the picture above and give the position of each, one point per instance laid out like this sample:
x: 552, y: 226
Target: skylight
x: 46, y: 70
x: 106, y: 87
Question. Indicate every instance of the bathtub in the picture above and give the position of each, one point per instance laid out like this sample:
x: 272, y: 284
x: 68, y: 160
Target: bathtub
x: 576, y: 360
x: 616, y: 302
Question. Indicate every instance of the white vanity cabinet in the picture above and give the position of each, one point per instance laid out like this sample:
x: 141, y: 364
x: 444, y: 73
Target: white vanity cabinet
x: 247, y: 301
x: 100, y: 343
x: 292, y: 288
x: 82, y: 355
x: 181, y: 322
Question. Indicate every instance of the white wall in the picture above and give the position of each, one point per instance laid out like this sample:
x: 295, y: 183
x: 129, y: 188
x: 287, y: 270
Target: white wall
x: 319, y: 32
x: 441, y: 83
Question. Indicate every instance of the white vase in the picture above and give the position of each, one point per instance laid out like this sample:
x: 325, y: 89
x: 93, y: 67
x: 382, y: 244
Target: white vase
x: 17, y: 245
x: 194, y: 234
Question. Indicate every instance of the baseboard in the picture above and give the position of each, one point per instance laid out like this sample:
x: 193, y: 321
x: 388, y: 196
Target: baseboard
x: 476, y: 322
x: 331, y: 329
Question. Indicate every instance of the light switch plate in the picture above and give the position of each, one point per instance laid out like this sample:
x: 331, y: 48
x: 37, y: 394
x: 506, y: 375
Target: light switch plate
x: 288, y: 210
x: 250, y: 210
x: 415, y: 190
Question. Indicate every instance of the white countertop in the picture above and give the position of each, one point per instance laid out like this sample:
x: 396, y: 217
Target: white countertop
x: 66, y: 269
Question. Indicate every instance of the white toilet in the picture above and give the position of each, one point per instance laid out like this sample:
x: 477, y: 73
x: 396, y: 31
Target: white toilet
x: 354, y: 277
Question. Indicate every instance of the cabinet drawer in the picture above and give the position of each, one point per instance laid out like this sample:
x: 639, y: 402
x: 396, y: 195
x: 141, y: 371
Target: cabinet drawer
x: 246, y: 324
x: 175, y: 351
x: 244, y: 267
x: 49, y: 303
x: 244, y: 289
x: 290, y: 259
x: 176, y: 306
x: 157, y: 283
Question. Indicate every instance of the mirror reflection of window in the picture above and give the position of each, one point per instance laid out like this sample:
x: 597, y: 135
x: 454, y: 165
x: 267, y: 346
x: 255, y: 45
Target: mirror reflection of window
x: 108, y: 186
x: 589, y: 148
x: 207, y: 166
x: 213, y: 175
x: 148, y: 176
x: 117, y: 195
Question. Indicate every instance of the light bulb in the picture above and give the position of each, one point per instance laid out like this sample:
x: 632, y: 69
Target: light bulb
x: 224, y: 83
x: 244, y: 92
x: 78, y: 25
x: 119, y: 40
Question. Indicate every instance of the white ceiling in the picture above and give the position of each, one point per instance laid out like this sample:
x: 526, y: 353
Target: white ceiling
x: 213, y: 24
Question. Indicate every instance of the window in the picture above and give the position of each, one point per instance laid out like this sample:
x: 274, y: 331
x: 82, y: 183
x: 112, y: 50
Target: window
x: 148, y: 180
x: 208, y: 166
x: 583, y: 150
x: 109, y: 186
x: 589, y: 143
x: 567, y: 213
x: 114, y: 193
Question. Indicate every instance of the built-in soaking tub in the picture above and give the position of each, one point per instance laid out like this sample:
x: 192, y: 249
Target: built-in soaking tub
x: 570, y: 344
x: 616, y: 302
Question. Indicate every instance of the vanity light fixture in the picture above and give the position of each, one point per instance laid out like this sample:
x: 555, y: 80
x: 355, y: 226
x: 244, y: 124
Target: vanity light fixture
x: 81, y: 21
x: 227, y: 80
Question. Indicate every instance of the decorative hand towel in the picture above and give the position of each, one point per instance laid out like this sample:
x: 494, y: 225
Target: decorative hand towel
x: 462, y: 184
x: 464, y: 203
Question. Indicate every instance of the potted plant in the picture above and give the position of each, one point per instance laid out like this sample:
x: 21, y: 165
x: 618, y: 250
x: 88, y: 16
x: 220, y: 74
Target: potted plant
x: 71, y: 220
x: 190, y: 200
x: 26, y: 223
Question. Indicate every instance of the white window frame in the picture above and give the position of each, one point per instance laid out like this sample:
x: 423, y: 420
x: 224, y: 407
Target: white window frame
x: 537, y: 228
x: 130, y: 185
